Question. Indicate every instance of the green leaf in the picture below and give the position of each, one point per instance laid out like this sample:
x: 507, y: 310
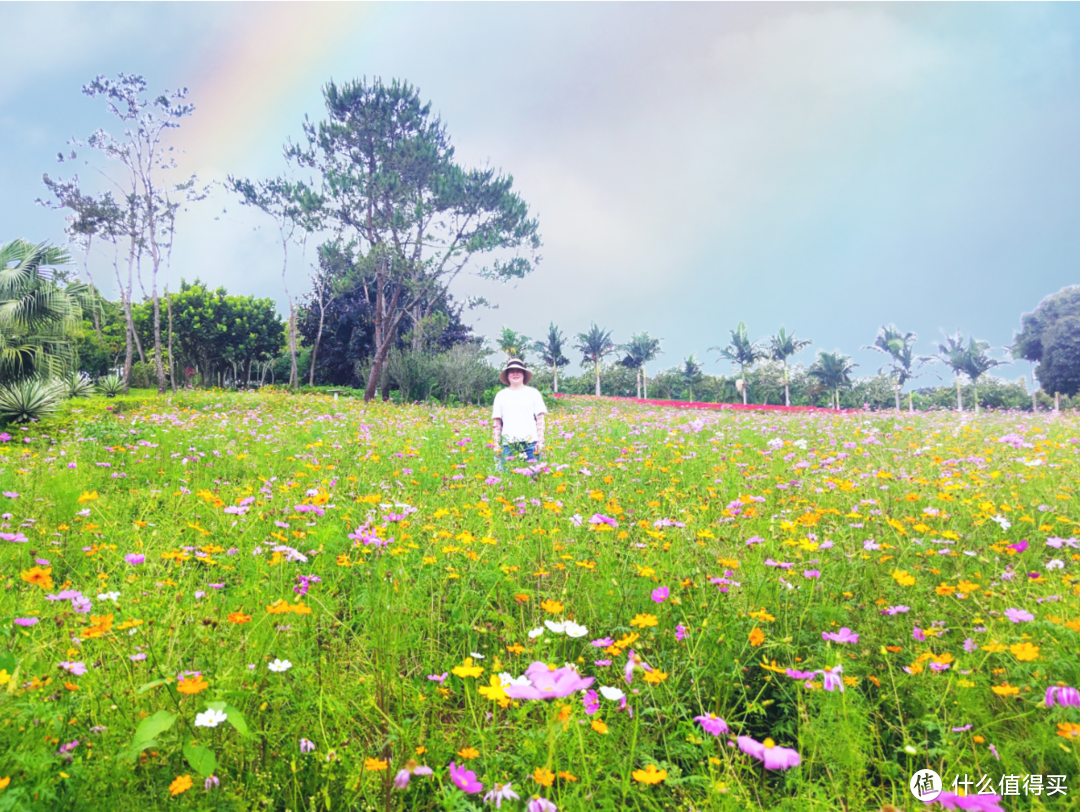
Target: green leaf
x: 236, y: 719
x: 202, y: 759
x: 152, y: 726
x: 137, y: 747
x: 7, y: 662
x: 142, y: 689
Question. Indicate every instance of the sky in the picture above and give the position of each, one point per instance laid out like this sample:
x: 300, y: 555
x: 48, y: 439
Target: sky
x: 826, y: 167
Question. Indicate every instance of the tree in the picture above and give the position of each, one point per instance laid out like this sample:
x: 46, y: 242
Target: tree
x: 389, y: 182
x: 781, y: 347
x: 903, y: 364
x: 39, y: 320
x: 293, y: 208
x: 150, y: 207
x: 833, y: 371
x: 641, y: 349
x: 550, y: 351
x: 1046, y: 338
x: 691, y: 374
x: 514, y: 344
x: 952, y: 352
x: 741, y: 351
x: 594, y: 346
x: 971, y: 361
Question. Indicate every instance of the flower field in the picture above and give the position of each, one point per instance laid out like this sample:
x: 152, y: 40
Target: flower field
x: 272, y: 601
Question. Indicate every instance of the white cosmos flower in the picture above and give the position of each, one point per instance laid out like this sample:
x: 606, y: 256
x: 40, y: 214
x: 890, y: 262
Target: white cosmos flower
x: 572, y: 629
x: 1055, y: 564
x: 280, y: 666
x: 476, y: 656
x: 535, y: 633
x: 507, y: 679
x: 557, y: 628
x: 614, y: 694
x: 212, y: 718
x: 109, y: 596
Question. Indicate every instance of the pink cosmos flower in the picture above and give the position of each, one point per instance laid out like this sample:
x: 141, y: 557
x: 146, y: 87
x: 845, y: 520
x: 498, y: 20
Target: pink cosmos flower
x: 773, y: 757
x: 1062, y: 696
x: 26, y: 621
x: 811, y: 573
x: 712, y: 724
x: 547, y: 683
x: 918, y: 634
x: 464, y: 779
x: 680, y: 633
x: 539, y: 804
x: 78, y: 669
x: 845, y: 635
x: 599, y: 518
x: 135, y: 558
x: 660, y: 594
x: 439, y: 678
x: 501, y: 792
x: 1019, y: 615
x: 591, y: 701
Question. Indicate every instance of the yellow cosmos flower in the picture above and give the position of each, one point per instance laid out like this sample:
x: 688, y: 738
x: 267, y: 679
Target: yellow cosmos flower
x: 650, y: 775
x: 88, y: 496
x: 543, y: 776
x: 494, y: 691
x: 1005, y: 690
x: 374, y: 765
x: 644, y: 621
x: 552, y: 607
x: 467, y: 669
x: 1025, y: 652
x: 469, y: 753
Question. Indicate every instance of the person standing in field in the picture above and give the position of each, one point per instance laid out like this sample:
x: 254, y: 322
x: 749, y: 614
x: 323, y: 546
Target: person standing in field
x: 518, y: 415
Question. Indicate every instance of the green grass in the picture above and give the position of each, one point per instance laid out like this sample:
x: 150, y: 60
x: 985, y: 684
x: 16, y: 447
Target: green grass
x: 469, y: 572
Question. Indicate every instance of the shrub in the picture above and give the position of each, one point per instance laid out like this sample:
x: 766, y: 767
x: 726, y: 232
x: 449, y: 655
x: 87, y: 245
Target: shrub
x: 111, y: 386
x: 29, y: 399
x: 77, y: 385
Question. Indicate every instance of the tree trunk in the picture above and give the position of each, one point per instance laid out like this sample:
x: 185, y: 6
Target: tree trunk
x: 1034, y: 400
x: 386, y: 322
x: 172, y: 361
x: 910, y: 403
x: 959, y: 397
x: 644, y: 383
x: 598, y: 379
x: 555, y: 375
x: 1057, y: 402
x: 318, y: 338
x: 160, y: 367
x: 896, y: 392
x: 637, y: 383
x: 787, y: 394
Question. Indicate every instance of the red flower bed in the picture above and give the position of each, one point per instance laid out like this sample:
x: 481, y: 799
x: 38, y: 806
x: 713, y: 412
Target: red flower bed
x: 684, y: 404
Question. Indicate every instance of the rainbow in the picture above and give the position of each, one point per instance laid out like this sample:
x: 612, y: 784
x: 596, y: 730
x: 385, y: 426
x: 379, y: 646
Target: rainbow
x: 267, y: 61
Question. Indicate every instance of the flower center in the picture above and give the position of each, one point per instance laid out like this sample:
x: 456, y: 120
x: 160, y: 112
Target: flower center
x: 769, y: 744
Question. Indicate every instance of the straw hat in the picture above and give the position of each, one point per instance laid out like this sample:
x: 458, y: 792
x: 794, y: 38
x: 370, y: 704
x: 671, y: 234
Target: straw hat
x: 514, y: 364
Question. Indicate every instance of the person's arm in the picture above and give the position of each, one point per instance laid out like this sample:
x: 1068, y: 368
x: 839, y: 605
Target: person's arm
x: 540, y: 432
x: 496, y: 433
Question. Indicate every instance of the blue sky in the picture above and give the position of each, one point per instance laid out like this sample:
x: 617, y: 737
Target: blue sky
x: 827, y: 167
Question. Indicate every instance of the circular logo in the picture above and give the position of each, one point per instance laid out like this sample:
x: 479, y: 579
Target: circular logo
x: 925, y: 785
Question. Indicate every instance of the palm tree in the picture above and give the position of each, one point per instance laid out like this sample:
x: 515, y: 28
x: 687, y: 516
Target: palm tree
x: 641, y: 349
x: 976, y: 362
x: 741, y: 351
x: 781, y: 347
x: 513, y: 344
x: 595, y: 345
x: 550, y: 351
x: 903, y: 363
x: 833, y: 371
x: 691, y: 373
x: 952, y: 352
x: 37, y: 317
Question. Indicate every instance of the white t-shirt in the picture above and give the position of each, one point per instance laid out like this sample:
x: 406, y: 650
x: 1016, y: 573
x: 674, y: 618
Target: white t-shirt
x: 518, y: 409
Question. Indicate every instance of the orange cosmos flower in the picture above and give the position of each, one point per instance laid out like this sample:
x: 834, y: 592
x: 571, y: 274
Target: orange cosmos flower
x: 552, y: 607
x: 1005, y: 690
x: 192, y: 685
x: 239, y: 617
x: 599, y: 726
x: 1068, y: 730
x: 470, y: 753
x: 182, y: 783
x: 543, y: 776
x: 41, y: 576
x: 375, y: 765
x: 757, y: 637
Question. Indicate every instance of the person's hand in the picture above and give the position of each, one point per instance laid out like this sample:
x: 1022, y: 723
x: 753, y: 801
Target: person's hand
x: 539, y: 446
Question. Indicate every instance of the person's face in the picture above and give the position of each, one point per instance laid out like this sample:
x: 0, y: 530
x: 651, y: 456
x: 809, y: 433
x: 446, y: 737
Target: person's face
x: 516, y: 377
